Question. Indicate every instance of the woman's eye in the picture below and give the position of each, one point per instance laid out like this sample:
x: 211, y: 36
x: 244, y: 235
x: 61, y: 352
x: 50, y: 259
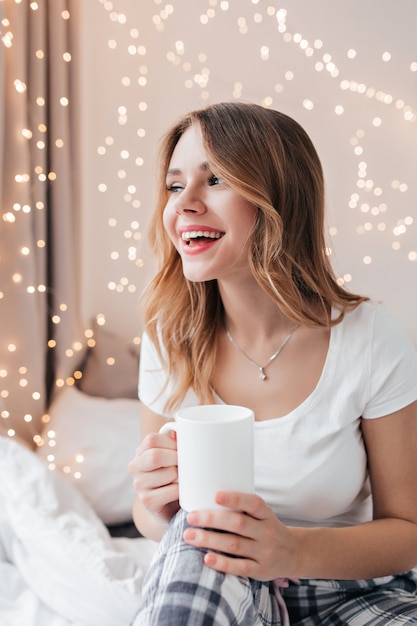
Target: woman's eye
x: 214, y: 180
x: 175, y: 188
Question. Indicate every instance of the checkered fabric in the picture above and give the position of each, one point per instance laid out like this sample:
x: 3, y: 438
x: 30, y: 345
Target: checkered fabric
x: 376, y: 602
x: 179, y: 590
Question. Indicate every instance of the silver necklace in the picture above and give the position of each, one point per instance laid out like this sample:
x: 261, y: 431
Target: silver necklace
x: 261, y: 368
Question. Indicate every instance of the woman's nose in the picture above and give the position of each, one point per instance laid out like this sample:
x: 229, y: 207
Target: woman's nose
x: 189, y: 201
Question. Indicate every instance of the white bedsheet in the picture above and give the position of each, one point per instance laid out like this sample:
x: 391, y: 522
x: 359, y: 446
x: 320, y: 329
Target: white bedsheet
x: 58, y: 564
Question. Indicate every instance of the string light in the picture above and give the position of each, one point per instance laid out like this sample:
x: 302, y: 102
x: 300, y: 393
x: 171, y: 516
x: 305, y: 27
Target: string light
x: 17, y: 379
x: 192, y: 55
x: 295, y: 68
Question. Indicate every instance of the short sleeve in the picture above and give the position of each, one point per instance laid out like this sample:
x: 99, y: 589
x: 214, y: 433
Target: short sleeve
x: 153, y: 388
x: 393, y: 376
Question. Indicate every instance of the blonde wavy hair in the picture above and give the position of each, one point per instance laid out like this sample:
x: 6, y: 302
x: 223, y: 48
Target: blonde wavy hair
x: 269, y: 159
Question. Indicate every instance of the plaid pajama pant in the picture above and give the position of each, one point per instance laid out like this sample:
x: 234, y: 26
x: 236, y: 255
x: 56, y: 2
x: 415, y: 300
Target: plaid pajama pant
x: 179, y: 590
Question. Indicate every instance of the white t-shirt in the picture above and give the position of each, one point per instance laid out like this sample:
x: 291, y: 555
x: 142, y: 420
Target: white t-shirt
x: 310, y: 465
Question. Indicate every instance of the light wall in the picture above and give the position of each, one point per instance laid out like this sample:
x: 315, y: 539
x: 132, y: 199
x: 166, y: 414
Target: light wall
x: 346, y: 70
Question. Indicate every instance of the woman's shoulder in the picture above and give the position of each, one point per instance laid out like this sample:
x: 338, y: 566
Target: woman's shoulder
x: 371, y: 320
x: 155, y: 384
x: 371, y: 334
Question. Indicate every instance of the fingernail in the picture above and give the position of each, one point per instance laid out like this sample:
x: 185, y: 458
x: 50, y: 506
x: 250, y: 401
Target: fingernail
x: 210, y: 559
x: 189, y: 534
x: 221, y: 497
x: 192, y: 518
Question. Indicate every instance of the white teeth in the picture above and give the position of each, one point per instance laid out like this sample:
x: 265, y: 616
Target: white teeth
x: 193, y: 234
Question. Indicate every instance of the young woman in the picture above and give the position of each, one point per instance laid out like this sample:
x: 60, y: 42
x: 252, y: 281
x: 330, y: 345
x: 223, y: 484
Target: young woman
x: 245, y: 309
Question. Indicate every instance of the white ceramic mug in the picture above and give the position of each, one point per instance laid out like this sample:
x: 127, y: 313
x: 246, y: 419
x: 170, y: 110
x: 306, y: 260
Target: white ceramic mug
x: 215, y: 453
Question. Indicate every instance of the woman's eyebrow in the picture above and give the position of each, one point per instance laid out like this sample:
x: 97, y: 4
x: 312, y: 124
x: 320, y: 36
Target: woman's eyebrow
x: 176, y: 171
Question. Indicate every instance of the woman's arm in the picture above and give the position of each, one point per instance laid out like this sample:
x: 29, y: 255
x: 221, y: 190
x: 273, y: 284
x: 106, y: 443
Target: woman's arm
x: 265, y: 549
x: 388, y: 544
x: 154, y: 473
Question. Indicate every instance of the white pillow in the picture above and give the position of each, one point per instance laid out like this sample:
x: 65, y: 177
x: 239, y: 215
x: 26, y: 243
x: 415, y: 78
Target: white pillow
x: 61, y: 553
x: 91, y: 440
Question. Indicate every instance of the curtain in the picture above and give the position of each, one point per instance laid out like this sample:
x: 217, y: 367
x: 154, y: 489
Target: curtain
x: 40, y: 331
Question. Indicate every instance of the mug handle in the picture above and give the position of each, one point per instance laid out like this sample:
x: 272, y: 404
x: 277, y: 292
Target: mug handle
x: 167, y: 427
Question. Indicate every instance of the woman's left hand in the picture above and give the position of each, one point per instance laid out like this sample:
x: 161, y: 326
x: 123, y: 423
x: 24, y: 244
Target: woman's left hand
x: 252, y: 542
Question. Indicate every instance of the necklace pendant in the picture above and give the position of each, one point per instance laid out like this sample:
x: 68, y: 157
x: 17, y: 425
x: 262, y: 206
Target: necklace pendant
x: 261, y: 375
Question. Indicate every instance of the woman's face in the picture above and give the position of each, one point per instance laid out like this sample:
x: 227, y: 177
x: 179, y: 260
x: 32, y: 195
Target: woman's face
x: 208, y: 222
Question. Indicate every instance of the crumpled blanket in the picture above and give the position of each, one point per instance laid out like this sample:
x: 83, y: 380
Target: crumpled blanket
x: 59, y: 566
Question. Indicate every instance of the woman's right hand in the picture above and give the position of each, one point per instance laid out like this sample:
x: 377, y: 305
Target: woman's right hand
x: 155, y: 473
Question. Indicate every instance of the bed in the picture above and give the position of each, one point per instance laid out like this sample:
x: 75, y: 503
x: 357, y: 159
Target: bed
x: 69, y: 553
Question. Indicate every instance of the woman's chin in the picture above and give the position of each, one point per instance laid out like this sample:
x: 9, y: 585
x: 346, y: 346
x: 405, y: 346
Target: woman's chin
x: 197, y: 275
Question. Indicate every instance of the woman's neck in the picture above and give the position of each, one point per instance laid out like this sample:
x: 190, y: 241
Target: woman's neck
x: 250, y: 312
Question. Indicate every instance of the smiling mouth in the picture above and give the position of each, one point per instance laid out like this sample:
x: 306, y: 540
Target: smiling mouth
x: 196, y: 236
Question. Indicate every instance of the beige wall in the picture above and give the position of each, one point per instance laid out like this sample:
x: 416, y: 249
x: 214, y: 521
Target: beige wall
x: 188, y: 54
